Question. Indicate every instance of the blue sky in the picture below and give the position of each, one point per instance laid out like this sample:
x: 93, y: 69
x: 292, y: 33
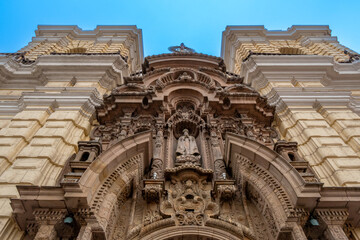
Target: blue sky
x: 165, y: 23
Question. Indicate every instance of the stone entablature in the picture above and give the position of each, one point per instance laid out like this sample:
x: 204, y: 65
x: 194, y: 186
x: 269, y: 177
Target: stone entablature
x: 125, y: 40
x: 240, y: 41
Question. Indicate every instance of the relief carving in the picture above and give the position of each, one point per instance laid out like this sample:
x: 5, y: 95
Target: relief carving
x: 157, y: 164
x: 219, y: 165
x: 333, y: 219
x: 152, y: 216
x: 189, y: 199
x: 47, y: 219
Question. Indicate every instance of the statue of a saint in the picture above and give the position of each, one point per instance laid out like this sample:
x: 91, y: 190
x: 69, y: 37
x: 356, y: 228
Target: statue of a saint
x: 187, y: 151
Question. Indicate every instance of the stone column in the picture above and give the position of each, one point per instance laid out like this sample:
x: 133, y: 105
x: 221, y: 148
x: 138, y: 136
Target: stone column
x: 334, y: 220
x: 297, y: 231
x: 85, y: 233
x: 157, y: 165
x: 47, y: 219
x: 85, y: 217
x: 219, y: 165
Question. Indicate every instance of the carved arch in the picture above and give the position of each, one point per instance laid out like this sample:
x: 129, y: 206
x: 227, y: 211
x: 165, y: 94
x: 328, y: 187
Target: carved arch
x: 105, y: 167
x: 110, y: 179
x: 278, y: 188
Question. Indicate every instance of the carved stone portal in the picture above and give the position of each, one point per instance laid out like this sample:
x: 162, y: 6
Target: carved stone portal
x: 185, y: 111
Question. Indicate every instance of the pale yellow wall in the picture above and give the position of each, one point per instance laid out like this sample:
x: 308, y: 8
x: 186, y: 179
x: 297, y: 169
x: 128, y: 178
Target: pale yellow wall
x: 40, y: 132
x: 328, y: 135
x: 34, y: 146
x: 272, y: 46
x: 324, y: 143
x: 36, y: 49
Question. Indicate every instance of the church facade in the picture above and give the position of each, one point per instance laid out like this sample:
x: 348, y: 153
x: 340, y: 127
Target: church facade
x: 97, y: 142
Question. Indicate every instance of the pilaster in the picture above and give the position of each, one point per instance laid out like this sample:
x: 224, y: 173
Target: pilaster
x: 334, y: 220
x: 46, y: 220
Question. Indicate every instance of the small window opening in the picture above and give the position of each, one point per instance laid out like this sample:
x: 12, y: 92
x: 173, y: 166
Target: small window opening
x: 85, y: 156
x: 291, y: 156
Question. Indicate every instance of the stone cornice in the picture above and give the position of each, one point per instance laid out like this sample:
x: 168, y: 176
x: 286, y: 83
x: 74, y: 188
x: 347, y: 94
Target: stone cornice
x: 339, y: 79
x: 64, y: 98
x: 130, y: 36
x: 59, y: 30
x: 302, y: 67
x: 89, y: 67
x: 293, y: 32
x: 234, y: 36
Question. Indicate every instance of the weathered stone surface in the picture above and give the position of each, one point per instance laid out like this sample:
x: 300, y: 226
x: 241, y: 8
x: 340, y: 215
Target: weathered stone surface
x: 183, y: 148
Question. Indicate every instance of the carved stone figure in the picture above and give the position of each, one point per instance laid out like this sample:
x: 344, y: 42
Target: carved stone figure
x: 187, y: 151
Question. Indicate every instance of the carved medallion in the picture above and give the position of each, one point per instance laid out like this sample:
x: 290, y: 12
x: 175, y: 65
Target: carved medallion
x: 189, y: 199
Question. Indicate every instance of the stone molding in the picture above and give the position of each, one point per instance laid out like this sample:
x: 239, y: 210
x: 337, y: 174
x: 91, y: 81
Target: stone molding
x: 234, y: 36
x: 305, y: 193
x: 129, y: 35
x: 333, y: 216
x: 338, y: 80
x: 257, y: 192
x: 49, y: 216
x: 59, y: 67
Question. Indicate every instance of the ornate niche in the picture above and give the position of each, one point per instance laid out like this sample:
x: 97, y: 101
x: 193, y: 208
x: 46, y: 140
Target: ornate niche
x: 186, y: 125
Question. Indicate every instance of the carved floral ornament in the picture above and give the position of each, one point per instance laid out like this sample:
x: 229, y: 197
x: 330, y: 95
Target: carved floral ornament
x: 185, y: 144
